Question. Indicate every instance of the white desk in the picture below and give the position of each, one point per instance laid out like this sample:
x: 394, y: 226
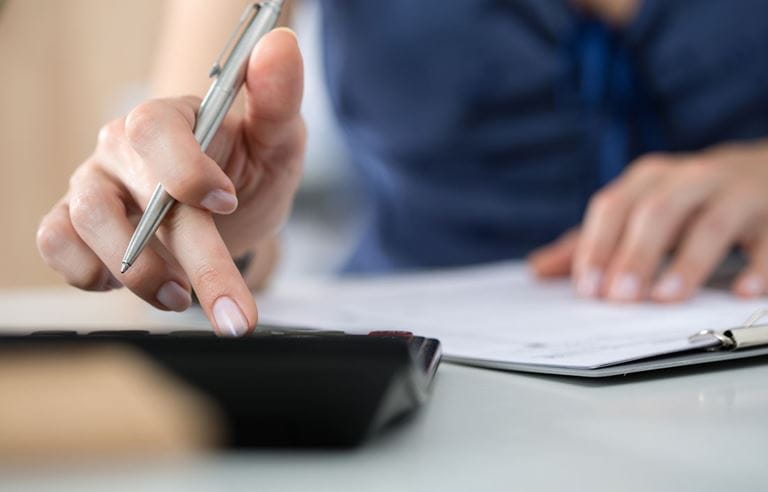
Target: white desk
x: 483, y: 430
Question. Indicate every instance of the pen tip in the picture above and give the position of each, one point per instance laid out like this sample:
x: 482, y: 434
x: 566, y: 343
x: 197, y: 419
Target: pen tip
x: 124, y: 267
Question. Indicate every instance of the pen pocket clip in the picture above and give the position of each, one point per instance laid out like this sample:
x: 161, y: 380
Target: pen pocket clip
x: 248, y: 15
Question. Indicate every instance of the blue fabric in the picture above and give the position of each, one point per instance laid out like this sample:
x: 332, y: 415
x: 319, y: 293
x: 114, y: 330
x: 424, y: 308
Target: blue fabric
x: 481, y: 127
x: 612, y: 96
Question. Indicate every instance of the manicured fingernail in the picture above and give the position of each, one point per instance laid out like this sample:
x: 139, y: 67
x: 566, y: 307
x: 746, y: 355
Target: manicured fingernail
x: 229, y: 319
x: 588, y: 283
x: 625, y: 287
x: 752, y: 285
x: 220, y: 202
x: 174, y: 296
x: 287, y: 30
x: 113, y: 283
x: 669, y: 287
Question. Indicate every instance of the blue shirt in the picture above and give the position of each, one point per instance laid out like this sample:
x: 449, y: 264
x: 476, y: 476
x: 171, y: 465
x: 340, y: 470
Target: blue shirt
x: 481, y: 127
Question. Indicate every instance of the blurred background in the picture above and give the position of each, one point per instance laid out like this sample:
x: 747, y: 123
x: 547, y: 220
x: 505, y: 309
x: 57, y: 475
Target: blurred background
x: 67, y: 67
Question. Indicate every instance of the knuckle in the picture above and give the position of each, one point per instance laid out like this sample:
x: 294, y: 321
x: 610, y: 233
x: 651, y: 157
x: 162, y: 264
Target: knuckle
x: 141, y: 123
x: 650, y: 165
x: 111, y: 133
x: 207, y: 275
x: 87, y: 208
x: 654, y: 206
x: 81, y: 174
x: 51, y: 237
x: 54, y: 243
x: 699, y: 170
x: 605, y: 201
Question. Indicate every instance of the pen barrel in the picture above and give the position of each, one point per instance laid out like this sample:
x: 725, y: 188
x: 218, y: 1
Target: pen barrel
x: 212, y: 111
x: 230, y: 78
x: 158, y: 206
x: 232, y: 73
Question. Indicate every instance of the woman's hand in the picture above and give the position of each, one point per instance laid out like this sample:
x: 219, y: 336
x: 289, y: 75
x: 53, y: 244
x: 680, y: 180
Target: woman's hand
x: 694, y: 207
x: 231, y: 200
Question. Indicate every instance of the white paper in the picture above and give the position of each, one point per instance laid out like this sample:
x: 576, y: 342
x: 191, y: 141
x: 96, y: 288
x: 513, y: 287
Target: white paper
x: 499, y: 313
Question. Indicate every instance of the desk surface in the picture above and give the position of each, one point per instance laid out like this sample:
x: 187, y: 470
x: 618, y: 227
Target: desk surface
x: 483, y: 430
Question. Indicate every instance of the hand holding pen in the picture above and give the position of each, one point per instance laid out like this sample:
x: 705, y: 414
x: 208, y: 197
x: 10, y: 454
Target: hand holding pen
x: 232, y: 197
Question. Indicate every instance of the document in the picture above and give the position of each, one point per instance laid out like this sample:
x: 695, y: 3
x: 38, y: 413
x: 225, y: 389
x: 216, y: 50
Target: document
x: 500, y: 314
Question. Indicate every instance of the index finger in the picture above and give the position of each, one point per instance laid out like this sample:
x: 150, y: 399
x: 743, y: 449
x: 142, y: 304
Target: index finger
x: 190, y: 234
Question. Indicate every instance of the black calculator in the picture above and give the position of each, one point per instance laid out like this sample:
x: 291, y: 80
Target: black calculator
x: 285, y: 387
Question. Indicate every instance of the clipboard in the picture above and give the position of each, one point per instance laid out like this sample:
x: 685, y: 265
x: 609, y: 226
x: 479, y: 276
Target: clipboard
x: 496, y: 316
x: 744, y: 342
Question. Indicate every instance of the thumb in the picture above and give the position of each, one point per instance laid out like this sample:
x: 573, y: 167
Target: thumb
x: 274, y: 88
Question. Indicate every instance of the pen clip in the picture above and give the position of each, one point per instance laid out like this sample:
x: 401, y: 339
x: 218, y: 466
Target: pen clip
x: 248, y: 14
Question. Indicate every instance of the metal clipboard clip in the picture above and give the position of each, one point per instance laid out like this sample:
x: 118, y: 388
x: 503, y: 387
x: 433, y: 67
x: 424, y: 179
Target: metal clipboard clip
x: 750, y: 334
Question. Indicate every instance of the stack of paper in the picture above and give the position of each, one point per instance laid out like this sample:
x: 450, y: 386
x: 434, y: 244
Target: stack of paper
x: 499, y: 314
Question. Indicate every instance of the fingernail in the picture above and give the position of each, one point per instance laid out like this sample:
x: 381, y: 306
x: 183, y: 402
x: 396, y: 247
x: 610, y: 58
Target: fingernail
x: 229, y: 319
x: 626, y: 287
x: 174, y: 296
x: 588, y: 283
x: 669, y: 287
x: 752, y: 285
x: 220, y: 202
x: 113, y: 283
x: 287, y: 30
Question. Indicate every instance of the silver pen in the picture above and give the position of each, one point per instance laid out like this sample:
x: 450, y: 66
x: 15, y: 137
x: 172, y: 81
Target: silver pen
x: 228, y: 76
